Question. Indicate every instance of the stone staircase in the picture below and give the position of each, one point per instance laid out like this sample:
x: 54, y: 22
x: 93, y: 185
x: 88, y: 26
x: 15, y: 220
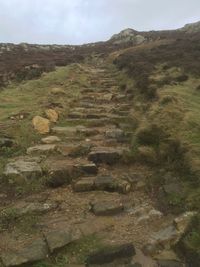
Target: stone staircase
x: 92, y: 189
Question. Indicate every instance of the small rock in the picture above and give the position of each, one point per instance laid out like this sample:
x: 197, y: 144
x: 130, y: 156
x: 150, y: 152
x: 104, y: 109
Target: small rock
x: 58, y: 239
x: 183, y: 222
x: 51, y: 140
x: 111, y: 253
x: 41, y: 125
x: 57, y: 91
x: 36, y: 251
x: 105, y: 208
x: 41, y: 149
x: 6, y: 142
x: 52, y: 115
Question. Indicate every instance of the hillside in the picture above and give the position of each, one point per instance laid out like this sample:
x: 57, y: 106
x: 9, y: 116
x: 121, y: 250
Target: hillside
x: 100, y: 152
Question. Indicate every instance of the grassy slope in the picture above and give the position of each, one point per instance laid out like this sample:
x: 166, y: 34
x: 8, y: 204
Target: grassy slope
x: 33, y: 97
x: 172, y: 147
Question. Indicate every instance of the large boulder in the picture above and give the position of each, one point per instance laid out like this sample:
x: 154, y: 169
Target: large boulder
x: 41, y: 124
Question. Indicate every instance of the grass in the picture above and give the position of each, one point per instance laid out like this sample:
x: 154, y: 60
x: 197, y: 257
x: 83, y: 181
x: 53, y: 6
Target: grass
x: 75, y: 253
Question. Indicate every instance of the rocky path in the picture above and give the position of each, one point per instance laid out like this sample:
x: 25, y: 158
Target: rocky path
x: 92, y: 189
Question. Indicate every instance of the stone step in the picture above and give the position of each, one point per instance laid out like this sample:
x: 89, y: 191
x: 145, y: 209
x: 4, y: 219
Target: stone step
x: 101, y: 183
x: 75, y: 130
x: 26, y: 168
x: 62, y: 171
x: 80, y: 115
x: 74, y: 150
x: 41, y: 149
x: 106, y: 155
x: 107, y: 208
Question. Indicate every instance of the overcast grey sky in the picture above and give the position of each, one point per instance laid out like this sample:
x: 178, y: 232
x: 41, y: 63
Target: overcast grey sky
x: 83, y: 21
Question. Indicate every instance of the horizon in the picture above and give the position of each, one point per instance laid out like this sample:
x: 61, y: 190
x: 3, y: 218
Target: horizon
x: 62, y: 22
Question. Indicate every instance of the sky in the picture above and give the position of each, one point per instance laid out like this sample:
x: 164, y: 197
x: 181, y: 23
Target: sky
x: 85, y: 21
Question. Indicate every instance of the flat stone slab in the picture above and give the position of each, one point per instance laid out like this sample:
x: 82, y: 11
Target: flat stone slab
x: 106, y: 155
x: 101, y: 183
x: 114, y: 134
x: 87, y: 168
x: 41, y: 149
x: 51, y: 139
x: 74, y: 150
x: 111, y: 253
x: 36, y: 251
x: 23, y: 168
x: 23, y: 208
x: 105, y: 183
x: 62, y: 172
x: 64, y: 130
x: 58, y: 239
x: 106, y: 208
x: 84, y: 185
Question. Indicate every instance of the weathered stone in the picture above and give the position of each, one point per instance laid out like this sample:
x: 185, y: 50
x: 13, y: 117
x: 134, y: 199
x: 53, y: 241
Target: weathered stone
x: 6, y: 142
x: 36, y: 251
x: 23, y: 208
x: 74, y: 150
x: 58, y: 239
x: 76, y: 115
x: 104, y: 208
x: 57, y: 91
x: 114, y: 134
x: 24, y: 169
x: 41, y: 125
x: 105, y: 155
x: 65, y: 130
x: 167, y: 255
x: 60, y: 172
x: 87, y: 168
x: 88, y: 131
x: 165, y: 238
x: 183, y: 222
x: 41, y: 149
x: 111, y: 253
x: 51, y: 140
x: 52, y: 115
x: 84, y: 185
x: 105, y: 183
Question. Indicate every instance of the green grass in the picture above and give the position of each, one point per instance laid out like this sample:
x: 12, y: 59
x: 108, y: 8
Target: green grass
x: 75, y: 253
